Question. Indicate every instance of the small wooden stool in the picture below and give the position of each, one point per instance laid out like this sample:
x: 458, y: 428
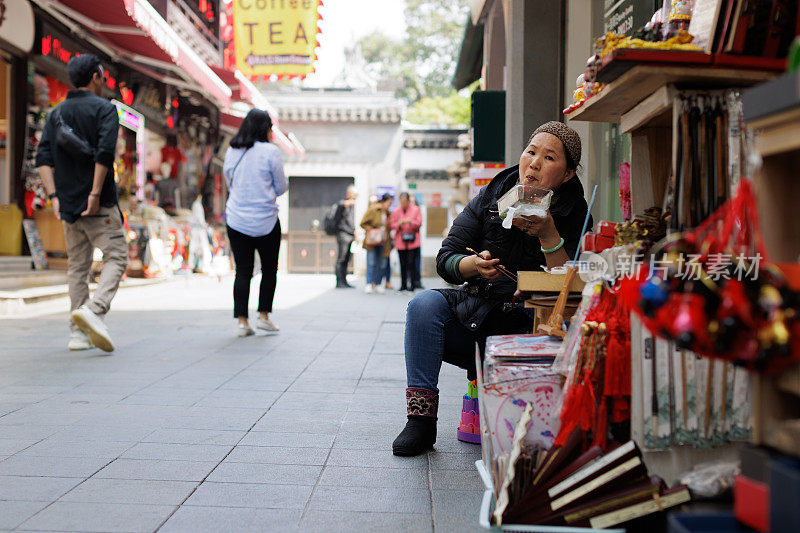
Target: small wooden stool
x: 543, y: 312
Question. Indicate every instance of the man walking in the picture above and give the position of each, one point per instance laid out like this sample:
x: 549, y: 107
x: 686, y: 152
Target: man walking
x: 345, y: 230
x: 84, y: 197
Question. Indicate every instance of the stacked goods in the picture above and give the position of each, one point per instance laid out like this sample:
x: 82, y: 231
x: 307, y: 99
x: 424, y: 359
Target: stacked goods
x: 568, y: 486
x: 469, y: 430
x: 517, y: 373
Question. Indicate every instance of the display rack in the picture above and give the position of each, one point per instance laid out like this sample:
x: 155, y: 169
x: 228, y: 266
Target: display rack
x: 772, y: 111
x: 641, y: 100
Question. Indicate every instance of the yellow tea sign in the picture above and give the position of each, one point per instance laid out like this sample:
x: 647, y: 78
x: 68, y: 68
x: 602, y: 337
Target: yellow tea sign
x: 275, y: 36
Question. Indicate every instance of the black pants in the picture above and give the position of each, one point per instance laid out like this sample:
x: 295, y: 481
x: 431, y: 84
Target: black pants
x: 343, y: 242
x: 244, y: 248
x: 408, y: 268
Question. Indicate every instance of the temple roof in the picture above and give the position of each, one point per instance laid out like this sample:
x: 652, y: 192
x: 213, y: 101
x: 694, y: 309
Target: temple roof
x: 336, y: 105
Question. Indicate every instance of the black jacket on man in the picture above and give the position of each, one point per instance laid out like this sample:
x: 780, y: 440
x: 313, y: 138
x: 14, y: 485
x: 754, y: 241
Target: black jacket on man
x: 478, y: 304
x: 345, y: 219
x: 96, y: 120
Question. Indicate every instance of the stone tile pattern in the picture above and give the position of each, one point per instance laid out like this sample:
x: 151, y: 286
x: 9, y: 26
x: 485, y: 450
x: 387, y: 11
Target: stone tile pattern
x: 189, y: 428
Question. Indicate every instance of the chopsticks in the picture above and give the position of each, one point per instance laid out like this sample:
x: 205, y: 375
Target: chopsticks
x: 503, y: 270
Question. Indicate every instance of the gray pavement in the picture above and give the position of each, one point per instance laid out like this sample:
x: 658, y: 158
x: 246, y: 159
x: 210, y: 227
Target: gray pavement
x: 188, y: 428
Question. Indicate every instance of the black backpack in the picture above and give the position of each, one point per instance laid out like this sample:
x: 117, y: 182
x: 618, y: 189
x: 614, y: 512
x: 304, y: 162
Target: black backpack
x: 331, y: 220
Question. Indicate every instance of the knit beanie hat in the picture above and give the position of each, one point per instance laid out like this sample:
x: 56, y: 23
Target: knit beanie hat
x: 568, y: 136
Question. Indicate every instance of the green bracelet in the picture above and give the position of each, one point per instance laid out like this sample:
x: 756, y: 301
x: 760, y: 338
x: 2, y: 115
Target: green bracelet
x: 555, y: 248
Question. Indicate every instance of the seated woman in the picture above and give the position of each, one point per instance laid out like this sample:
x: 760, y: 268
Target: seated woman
x: 445, y: 324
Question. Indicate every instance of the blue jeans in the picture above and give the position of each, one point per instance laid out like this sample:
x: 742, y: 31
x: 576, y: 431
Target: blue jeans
x: 434, y: 334
x: 375, y: 265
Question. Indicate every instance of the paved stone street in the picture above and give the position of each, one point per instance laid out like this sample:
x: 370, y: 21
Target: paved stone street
x: 188, y: 428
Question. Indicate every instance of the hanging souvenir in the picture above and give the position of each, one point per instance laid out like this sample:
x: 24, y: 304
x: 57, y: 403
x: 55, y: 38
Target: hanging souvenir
x: 713, y: 291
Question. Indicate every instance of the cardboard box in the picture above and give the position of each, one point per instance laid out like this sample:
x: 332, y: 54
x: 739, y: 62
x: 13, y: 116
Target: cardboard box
x: 535, y: 281
x: 751, y: 503
x: 608, y: 229
x: 51, y: 231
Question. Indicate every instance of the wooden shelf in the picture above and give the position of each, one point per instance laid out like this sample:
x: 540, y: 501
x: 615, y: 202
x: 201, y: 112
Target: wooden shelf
x: 776, y: 411
x: 623, y: 94
x: 773, y: 110
x: 777, y: 133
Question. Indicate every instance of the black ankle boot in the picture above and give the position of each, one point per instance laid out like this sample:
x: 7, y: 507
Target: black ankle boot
x: 419, y: 435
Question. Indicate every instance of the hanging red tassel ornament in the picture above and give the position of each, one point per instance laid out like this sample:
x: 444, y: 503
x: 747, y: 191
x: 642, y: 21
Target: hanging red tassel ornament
x: 618, y: 354
x: 618, y: 363
x: 578, y: 407
x: 601, y: 427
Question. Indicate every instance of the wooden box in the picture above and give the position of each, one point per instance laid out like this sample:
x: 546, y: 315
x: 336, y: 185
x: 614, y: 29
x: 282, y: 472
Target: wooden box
x: 535, y: 281
x: 51, y: 231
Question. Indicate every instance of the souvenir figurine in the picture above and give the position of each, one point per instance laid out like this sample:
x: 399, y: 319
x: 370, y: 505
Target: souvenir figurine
x: 680, y: 15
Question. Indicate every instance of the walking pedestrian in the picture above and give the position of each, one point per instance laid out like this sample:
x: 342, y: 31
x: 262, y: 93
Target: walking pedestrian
x: 373, y: 199
x: 76, y: 168
x: 254, y: 174
x: 418, y: 257
x: 374, y: 223
x: 345, y: 230
x: 406, y: 221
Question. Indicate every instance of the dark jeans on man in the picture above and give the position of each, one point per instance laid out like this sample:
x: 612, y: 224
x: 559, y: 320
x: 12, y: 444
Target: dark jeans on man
x: 408, y: 268
x: 343, y: 242
x: 244, y: 248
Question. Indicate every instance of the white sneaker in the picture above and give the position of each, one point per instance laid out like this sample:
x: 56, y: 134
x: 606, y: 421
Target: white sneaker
x: 266, y: 324
x: 93, y: 326
x: 78, y: 340
x: 244, y: 330
x: 380, y: 289
x: 368, y: 289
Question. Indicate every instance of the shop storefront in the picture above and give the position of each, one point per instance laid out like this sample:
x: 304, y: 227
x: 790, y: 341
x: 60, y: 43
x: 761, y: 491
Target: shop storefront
x: 167, y: 133
x: 48, y: 83
x: 17, y: 31
x: 664, y: 373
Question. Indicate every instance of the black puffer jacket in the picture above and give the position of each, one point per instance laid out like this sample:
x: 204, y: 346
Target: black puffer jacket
x: 478, y: 303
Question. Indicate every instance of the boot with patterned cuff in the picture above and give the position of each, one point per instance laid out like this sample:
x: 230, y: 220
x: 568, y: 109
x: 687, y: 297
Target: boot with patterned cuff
x: 419, y: 435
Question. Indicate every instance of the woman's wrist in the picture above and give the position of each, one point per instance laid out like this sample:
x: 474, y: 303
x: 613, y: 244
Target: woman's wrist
x: 467, y: 266
x: 550, y: 239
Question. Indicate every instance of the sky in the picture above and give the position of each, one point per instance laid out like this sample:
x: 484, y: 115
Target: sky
x: 344, y: 22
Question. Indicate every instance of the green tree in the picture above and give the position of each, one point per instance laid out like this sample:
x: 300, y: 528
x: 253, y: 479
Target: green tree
x: 450, y: 110
x: 421, y: 65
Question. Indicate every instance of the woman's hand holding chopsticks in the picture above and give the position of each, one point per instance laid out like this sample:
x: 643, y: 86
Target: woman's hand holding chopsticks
x: 485, y: 266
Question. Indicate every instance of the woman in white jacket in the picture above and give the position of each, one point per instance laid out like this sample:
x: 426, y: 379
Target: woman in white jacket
x: 254, y: 174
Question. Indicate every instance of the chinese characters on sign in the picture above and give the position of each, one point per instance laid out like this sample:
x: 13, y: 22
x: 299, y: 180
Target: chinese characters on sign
x: 275, y: 36
x: 689, y: 267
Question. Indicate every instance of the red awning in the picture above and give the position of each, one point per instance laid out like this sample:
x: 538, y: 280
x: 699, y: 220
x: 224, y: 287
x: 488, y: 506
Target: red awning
x: 230, y: 123
x: 135, y: 29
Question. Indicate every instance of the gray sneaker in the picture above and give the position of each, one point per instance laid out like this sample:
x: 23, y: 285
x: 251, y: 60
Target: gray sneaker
x: 94, y: 327
x: 79, y: 340
x: 244, y: 331
x: 267, y: 325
